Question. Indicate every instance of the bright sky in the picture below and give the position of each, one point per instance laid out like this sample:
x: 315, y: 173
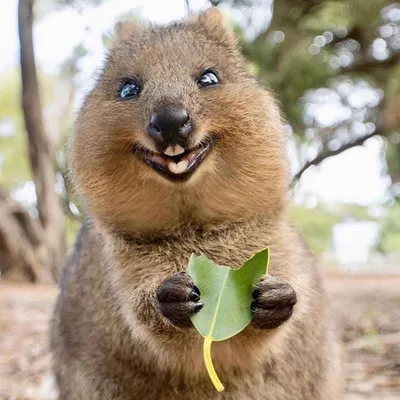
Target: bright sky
x: 354, y: 176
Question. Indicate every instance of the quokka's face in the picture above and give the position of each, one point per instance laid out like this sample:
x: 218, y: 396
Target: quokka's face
x: 174, y: 107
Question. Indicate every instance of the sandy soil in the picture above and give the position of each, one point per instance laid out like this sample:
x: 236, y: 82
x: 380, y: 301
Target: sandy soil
x: 368, y: 309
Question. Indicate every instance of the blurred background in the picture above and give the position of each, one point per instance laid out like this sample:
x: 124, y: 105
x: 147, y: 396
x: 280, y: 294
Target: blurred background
x: 333, y: 65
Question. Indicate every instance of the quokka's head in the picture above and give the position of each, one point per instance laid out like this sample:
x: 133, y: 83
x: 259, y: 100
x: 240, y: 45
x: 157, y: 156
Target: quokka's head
x: 176, y: 131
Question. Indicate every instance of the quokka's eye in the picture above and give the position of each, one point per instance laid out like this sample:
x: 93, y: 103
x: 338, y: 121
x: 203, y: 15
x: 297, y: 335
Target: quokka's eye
x: 208, y: 78
x: 130, y: 89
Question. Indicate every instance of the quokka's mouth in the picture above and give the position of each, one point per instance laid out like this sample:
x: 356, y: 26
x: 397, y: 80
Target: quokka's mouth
x: 175, y: 163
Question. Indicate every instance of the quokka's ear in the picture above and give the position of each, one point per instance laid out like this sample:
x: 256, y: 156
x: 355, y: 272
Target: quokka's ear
x: 216, y: 24
x: 211, y: 18
x: 126, y: 30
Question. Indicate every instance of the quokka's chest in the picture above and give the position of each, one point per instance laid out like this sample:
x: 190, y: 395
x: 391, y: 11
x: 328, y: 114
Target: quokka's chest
x: 231, y: 249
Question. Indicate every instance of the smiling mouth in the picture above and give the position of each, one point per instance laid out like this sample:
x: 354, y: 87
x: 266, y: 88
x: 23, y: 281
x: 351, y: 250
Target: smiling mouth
x: 176, y: 163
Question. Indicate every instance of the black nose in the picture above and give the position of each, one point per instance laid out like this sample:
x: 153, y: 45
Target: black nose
x: 170, y: 125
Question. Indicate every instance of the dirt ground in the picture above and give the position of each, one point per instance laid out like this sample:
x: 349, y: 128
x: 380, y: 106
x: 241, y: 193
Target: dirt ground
x: 368, y: 309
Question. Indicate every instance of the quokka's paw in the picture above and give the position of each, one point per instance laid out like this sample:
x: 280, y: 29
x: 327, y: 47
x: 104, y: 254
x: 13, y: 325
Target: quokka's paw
x: 179, y: 299
x: 273, y: 303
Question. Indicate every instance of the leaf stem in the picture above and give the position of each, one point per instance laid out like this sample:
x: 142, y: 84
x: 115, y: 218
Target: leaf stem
x: 209, y: 365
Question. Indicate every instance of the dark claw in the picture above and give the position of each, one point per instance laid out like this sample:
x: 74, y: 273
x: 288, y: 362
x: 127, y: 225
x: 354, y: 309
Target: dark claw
x: 198, y: 307
x: 256, y: 292
x: 196, y: 289
x: 194, y: 296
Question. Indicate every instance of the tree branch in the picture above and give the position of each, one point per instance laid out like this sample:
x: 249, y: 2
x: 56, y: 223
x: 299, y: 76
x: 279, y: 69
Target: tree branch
x: 325, y: 154
x: 22, y: 251
x: 373, y: 64
x: 187, y: 6
x: 354, y: 33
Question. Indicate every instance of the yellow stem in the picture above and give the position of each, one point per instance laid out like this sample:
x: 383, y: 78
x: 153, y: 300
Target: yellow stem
x: 209, y: 365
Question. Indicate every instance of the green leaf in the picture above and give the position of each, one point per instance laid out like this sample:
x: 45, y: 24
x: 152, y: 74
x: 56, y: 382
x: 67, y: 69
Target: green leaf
x: 227, y: 295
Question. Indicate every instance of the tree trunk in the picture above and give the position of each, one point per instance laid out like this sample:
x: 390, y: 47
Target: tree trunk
x: 22, y: 250
x: 42, y: 152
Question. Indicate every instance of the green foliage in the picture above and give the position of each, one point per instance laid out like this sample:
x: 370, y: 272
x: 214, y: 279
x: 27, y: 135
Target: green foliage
x: 354, y: 211
x: 276, y: 63
x: 315, y: 224
x: 287, y: 58
x: 330, y: 16
x: 390, y: 231
x: 14, y: 167
x: 338, y: 15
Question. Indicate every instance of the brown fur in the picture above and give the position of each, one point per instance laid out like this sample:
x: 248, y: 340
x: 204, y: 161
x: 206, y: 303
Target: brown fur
x: 110, y: 339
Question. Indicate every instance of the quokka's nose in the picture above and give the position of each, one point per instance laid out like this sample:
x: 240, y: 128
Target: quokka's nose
x: 170, y: 125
